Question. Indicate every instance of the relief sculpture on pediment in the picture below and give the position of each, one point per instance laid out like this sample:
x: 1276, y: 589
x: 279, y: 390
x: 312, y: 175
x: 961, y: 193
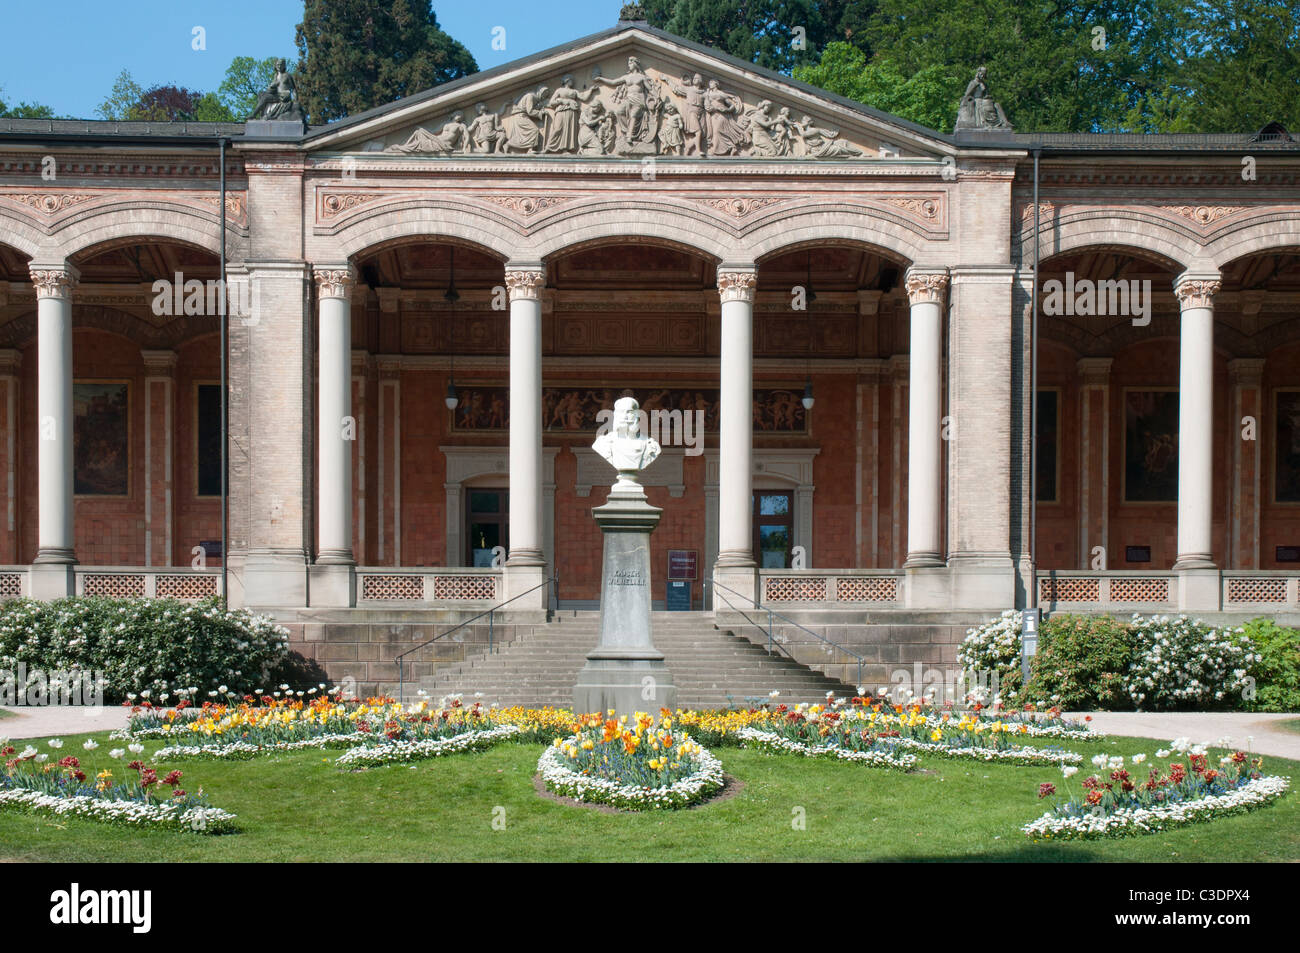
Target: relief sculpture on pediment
x: 642, y: 112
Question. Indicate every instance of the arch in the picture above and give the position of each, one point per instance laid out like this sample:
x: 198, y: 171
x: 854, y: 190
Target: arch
x: 17, y: 232
x: 887, y: 234
x: 874, y: 248
x: 420, y: 218
x: 1272, y: 232
x: 668, y: 222
x: 1142, y: 235
x: 123, y: 221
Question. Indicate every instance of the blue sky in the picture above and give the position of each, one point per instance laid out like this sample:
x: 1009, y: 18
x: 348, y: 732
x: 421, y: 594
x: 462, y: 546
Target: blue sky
x: 66, y: 53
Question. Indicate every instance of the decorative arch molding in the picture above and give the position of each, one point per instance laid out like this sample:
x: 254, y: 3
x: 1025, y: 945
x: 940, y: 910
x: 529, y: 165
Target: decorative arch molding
x: 671, y: 222
x: 492, y: 232
x: 123, y: 221
x: 889, y: 233
x: 18, y: 231
x: 177, y: 331
x: 1142, y: 234
x: 1271, y: 232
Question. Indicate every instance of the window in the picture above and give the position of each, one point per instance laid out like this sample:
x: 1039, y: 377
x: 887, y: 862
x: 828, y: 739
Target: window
x: 773, y: 529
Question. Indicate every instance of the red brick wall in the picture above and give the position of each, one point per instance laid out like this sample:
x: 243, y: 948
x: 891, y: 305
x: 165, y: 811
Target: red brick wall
x: 1279, y: 524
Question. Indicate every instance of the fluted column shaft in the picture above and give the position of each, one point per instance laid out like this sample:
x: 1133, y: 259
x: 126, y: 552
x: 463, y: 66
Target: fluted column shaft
x: 336, y: 429
x: 736, y: 423
x: 1196, y: 422
x: 525, y: 287
x: 925, y: 292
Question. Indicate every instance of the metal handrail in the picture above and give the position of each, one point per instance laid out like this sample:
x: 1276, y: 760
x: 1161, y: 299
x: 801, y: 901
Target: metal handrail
x: 788, y: 621
x: 401, y: 683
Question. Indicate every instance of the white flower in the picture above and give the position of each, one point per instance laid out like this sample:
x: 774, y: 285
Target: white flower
x: 41, y: 758
x: 116, y: 753
x: 1139, y: 758
x: 1069, y: 770
x: 1162, y: 753
x: 91, y: 744
x: 56, y: 743
x: 135, y: 748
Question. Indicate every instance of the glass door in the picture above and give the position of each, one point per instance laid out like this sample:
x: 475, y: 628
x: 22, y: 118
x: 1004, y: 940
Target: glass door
x: 773, y: 529
x: 488, y: 518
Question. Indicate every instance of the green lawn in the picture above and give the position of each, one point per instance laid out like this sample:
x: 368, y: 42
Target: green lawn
x: 299, y: 807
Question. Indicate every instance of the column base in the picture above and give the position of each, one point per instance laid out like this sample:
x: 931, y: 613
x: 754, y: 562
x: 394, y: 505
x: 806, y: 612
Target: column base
x: 924, y: 560
x: 332, y: 584
x: 50, y: 580
x: 526, y: 557
x: 625, y: 685
x: 1199, y: 590
x: 335, y: 557
x: 736, y: 559
x: 1194, y: 561
x: 52, y: 556
x: 275, y: 580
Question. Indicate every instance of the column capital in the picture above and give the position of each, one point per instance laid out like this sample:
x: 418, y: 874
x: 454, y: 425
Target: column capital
x: 1196, y: 290
x: 1246, y: 370
x: 334, y: 281
x: 159, y: 363
x: 1094, y: 371
x: 737, y: 285
x: 54, y: 280
x: 525, y: 283
x: 926, y: 285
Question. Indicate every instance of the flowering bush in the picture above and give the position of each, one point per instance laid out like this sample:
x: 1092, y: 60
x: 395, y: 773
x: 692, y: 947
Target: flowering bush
x: 1276, y: 670
x: 148, y: 645
x: 1080, y: 662
x: 1181, y: 663
x: 990, y: 655
x: 1115, y: 803
x: 32, y: 783
x: 646, y: 766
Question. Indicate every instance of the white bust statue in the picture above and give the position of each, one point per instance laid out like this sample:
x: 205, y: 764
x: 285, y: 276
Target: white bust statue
x: 624, y: 447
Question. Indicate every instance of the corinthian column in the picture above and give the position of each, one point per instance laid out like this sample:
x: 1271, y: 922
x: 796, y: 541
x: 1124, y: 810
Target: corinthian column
x: 925, y: 293
x: 1196, y: 421
x: 54, y: 284
x: 736, y: 423
x: 335, y: 427
x: 525, y: 284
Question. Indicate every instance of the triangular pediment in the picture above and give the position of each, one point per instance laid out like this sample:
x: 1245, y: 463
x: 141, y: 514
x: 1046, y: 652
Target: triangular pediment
x: 630, y: 92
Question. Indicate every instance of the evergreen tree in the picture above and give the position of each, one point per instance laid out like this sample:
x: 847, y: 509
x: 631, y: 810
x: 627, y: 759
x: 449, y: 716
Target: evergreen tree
x: 358, y: 54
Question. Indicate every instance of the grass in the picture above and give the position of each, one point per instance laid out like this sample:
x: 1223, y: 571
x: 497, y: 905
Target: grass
x: 299, y: 807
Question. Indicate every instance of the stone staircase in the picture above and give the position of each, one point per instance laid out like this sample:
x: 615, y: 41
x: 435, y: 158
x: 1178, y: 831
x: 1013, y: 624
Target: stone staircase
x: 711, y: 669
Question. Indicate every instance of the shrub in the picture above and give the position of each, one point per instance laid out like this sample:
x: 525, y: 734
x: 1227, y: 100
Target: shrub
x: 1080, y: 663
x: 1276, y: 670
x: 990, y: 656
x: 1184, y: 663
x: 157, y: 646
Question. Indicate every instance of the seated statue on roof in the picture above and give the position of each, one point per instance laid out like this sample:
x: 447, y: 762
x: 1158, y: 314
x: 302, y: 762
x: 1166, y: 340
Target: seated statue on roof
x: 277, y: 100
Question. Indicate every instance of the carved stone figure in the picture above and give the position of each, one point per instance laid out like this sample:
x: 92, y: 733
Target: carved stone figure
x: 692, y: 90
x: 452, y: 138
x: 636, y: 109
x: 596, y: 136
x: 523, y: 132
x: 277, y: 100
x: 727, y: 137
x: 977, y: 110
x: 562, y: 115
x: 671, y: 139
x: 485, y: 132
x: 817, y: 143
x: 764, y: 130
x: 624, y: 447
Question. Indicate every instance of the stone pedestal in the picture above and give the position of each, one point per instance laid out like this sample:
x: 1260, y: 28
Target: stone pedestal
x: 625, y: 671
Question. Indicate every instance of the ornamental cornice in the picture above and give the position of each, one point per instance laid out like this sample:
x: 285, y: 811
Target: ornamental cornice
x: 525, y: 285
x: 740, y: 206
x: 737, y: 285
x: 529, y: 205
x: 53, y: 204
x: 1202, y: 215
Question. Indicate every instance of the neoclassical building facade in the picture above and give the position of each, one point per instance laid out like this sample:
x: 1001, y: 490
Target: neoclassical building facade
x: 827, y: 311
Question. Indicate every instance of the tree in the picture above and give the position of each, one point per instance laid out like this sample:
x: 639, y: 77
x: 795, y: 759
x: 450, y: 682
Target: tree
x: 126, y: 93
x: 929, y: 96
x: 765, y: 32
x: 26, y: 111
x: 358, y: 54
x: 246, y: 77
x: 165, y: 104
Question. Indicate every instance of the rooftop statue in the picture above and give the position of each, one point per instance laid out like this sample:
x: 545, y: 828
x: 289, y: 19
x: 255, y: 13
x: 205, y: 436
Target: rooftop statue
x: 977, y: 109
x: 277, y: 100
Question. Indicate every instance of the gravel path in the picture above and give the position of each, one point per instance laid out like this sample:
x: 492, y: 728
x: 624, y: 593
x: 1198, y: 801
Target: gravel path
x: 1266, y: 737
x: 57, y: 720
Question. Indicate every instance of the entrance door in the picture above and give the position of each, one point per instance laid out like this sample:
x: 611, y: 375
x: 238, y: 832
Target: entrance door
x: 488, y: 524
x: 773, y: 529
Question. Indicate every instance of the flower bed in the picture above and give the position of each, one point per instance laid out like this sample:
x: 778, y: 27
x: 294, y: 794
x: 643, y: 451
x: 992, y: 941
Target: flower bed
x: 645, y: 767
x: 401, y: 751
x: 1169, y: 797
x: 865, y: 727
x: 30, y: 783
x: 879, y: 756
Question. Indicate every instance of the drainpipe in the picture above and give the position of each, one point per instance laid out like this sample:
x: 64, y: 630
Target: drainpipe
x: 1033, y: 407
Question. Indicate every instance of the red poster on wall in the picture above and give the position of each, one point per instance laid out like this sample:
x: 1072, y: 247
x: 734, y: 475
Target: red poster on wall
x: 683, y: 564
